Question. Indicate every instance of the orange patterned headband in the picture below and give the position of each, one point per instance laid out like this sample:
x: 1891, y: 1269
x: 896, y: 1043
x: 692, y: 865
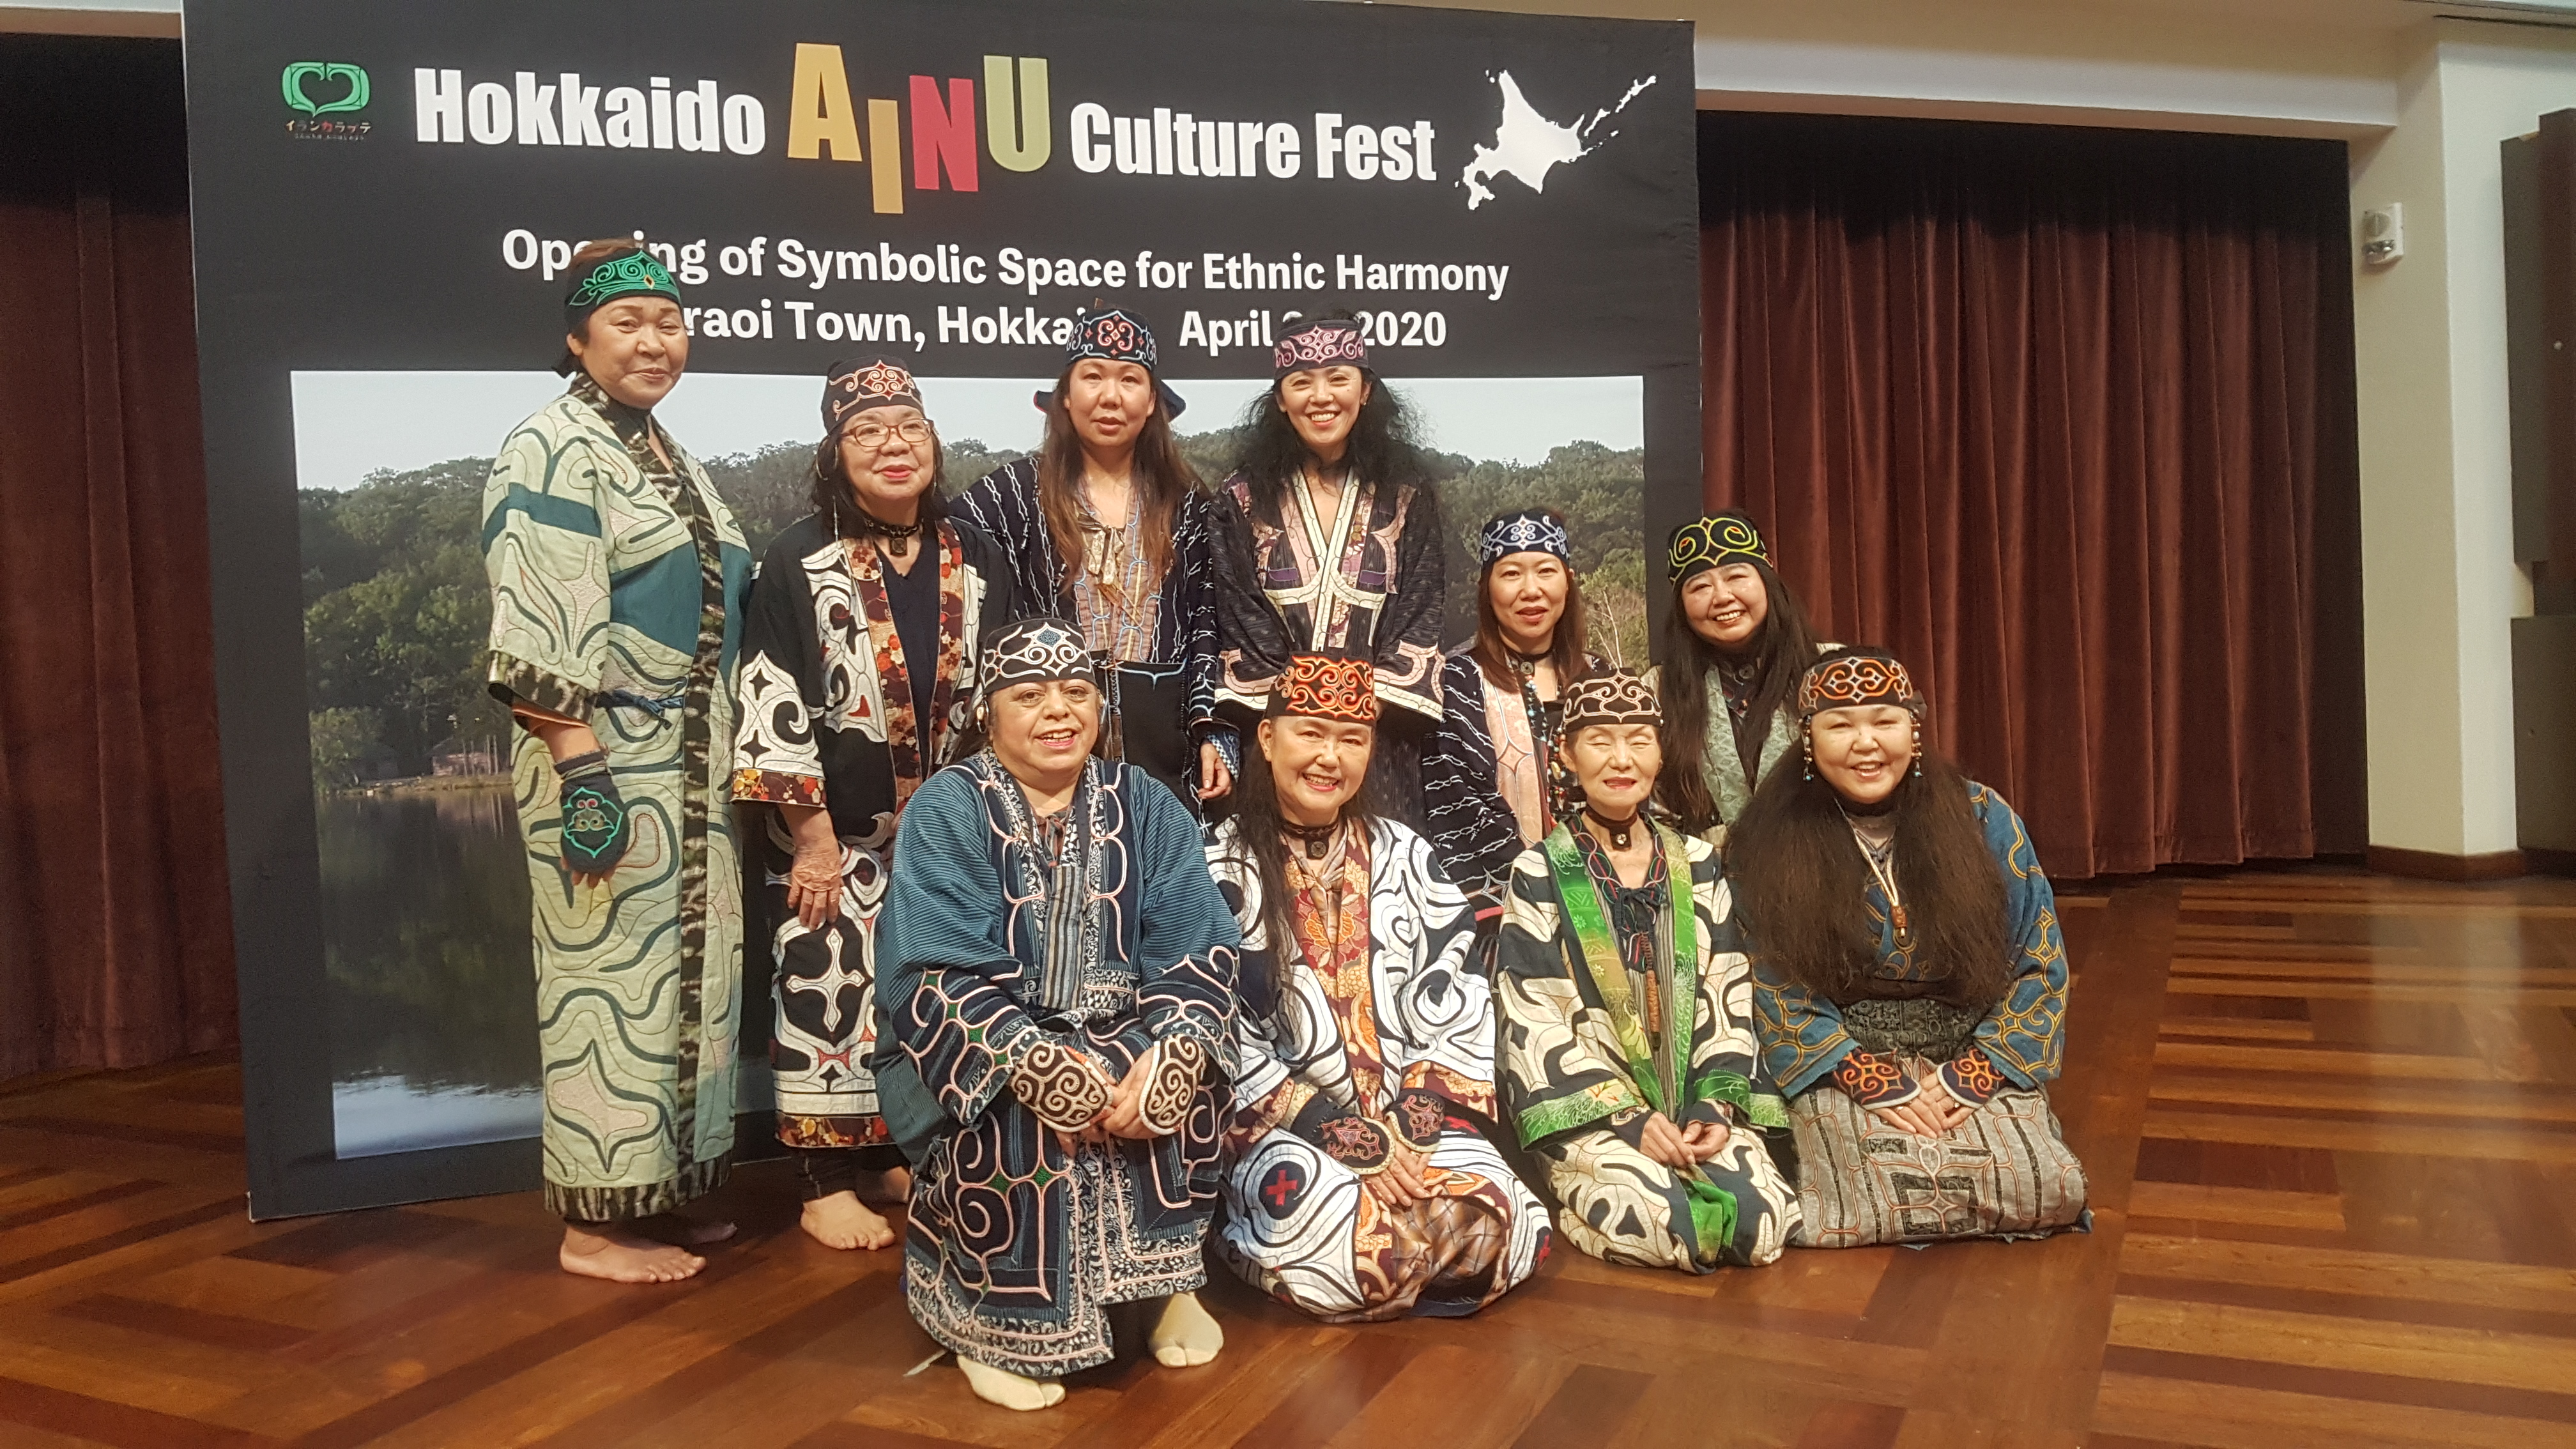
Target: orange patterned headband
x: 1857, y: 677
x: 1319, y: 687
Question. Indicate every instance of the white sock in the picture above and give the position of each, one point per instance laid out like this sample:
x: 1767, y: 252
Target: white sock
x: 1185, y: 1336
x: 1010, y: 1390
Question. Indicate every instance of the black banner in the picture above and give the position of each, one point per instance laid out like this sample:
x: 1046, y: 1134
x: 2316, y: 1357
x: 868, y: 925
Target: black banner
x: 384, y: 201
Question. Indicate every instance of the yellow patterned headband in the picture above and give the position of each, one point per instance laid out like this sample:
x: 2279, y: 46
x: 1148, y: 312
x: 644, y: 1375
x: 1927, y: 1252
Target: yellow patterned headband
x: 1720, y: 538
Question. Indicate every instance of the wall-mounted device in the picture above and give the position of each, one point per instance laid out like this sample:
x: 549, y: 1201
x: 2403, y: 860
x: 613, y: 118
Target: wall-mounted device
x: 2383, y: 234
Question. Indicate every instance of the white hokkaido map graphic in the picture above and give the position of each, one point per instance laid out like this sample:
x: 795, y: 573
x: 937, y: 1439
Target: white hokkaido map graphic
x: 1527, y: 145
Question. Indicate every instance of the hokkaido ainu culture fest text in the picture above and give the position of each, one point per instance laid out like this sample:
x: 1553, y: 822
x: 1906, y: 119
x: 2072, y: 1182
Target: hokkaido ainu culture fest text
x: 826, y: 123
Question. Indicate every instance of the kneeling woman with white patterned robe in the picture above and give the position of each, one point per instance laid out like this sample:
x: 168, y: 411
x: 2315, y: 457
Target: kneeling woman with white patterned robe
x: 1357, y: 1184
x: 1629, y: 1058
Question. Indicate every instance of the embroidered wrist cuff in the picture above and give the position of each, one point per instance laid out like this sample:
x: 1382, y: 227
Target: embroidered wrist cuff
x: 1874, y: 1081
x: 1419, y: 1117
x: 1171, y: 1084
x: 1972, y: 1079
x: 1060, y: 1085
x: 1355, y: 1142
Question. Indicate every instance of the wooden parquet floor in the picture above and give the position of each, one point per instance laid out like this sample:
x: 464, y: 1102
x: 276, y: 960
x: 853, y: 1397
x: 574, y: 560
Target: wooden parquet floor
x: 2330, y: 1121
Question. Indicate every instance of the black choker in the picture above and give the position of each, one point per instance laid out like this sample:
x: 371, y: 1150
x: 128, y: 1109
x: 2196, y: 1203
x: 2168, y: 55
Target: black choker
x: 1617, y: 830
x: 1317, y: 838
x: 870, y: 523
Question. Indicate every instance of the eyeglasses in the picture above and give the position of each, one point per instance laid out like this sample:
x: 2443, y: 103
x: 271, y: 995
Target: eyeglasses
x: 873, y: 435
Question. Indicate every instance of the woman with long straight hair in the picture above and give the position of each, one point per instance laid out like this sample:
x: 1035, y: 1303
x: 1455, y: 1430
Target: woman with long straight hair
x: 1358, y: 1184
x: 1909, y: 976
x: 1107, y: 526
x: 858, y: 682
x: 1734, y: 648
x: 1494, y: 779
x: 617, y: 581
x: 1328, y: 541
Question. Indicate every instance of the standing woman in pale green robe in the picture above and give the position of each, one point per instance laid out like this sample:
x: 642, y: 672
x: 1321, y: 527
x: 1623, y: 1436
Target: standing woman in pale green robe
x: 1734, y: 649
x: 617, y: 576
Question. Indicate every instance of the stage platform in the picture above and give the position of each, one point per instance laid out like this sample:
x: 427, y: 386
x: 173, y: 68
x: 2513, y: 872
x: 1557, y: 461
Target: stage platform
x: 2330, y: 1121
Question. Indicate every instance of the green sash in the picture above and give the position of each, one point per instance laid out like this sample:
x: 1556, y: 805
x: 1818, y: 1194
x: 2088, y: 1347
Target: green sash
x: 1660, y: 1075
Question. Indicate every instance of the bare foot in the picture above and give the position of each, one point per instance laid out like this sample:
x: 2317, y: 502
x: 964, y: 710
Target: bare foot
x: 688, y: 1232
x: 842, y: 1221
x: 623, y: 1257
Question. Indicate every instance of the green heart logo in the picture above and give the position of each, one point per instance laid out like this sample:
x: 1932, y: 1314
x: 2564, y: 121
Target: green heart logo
x: 292, y: 84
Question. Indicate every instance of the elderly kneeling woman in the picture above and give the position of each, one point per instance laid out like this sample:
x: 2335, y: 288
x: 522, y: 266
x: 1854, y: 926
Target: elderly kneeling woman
x: 1629, y: 1059
x: 1058, y: 974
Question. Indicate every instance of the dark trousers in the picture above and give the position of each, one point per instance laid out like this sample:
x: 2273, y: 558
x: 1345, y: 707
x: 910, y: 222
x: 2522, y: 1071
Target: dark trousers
x: 823, y: 1171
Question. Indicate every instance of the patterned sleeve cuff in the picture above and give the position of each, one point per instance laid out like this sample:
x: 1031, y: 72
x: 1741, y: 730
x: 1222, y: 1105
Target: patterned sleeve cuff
x: 1346, y: 1137
x: 1628, y: 1124
x: 1061, y: 1084
x: 1874, y: 1081
x: 513, y: 681
x: 1419, y: 1117
x: 1972, y: 1079
x: 778, y: 787
x: 1709, y: 1110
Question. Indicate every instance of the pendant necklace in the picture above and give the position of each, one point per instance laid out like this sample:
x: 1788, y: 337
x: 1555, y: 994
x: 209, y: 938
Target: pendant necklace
x: 1886, y: 882
x: 1317, y: 838
x: 1616, y: 830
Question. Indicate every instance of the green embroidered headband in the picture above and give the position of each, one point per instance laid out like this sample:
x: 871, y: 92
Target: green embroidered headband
x: 630, y: 274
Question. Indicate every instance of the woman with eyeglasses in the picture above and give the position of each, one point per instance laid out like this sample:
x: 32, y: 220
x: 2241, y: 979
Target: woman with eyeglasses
x: 857, y: 684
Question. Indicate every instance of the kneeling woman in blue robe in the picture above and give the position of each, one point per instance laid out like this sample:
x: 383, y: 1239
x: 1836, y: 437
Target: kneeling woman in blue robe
x: 1909, y: 975
x: 1058, y: 970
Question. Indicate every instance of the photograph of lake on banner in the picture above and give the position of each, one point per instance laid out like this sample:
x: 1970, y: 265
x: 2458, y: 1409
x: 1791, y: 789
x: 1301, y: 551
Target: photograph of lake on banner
x: 431, y: 985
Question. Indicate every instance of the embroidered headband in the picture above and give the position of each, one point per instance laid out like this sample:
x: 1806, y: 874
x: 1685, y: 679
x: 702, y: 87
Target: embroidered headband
x: 1856, y: 677
x: 1317, y: 686
x: 1614, y: 698
x: 1116, y: 335
x: 1720, y: 538
x: 1531, y: 530
x: 1033, y: 651
x: 854, y: 387
x: 1319, y: 342
x: 630, y: 274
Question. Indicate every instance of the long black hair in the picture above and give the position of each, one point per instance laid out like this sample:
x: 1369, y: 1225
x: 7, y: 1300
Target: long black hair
x: 1800, y: 878
x: 1781, y: 648
x: 1383, y: 448
x: 1257, y: 825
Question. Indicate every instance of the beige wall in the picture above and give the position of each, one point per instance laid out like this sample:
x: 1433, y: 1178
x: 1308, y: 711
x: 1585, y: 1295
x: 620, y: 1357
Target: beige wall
x: 2436, y: 447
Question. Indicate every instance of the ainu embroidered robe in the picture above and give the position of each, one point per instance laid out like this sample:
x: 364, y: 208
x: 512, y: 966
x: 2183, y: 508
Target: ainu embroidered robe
x: 828, y: 720
x: 1583, y: 1068
x: 1373, y: 1000
x: 2006, y: 1170
x: 1368, y: 582
x: 1014, y: 1247
x: 616, y: 585
x: 1476, y: 825
x: 1177, y: 678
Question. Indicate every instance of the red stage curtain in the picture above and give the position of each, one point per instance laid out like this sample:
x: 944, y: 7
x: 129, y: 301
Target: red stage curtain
x: 115, y: 925
x: 2064, y: 417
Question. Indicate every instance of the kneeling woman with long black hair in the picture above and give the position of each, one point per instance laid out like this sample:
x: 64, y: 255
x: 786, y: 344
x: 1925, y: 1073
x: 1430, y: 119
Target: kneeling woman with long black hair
x: 1909, y: 977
